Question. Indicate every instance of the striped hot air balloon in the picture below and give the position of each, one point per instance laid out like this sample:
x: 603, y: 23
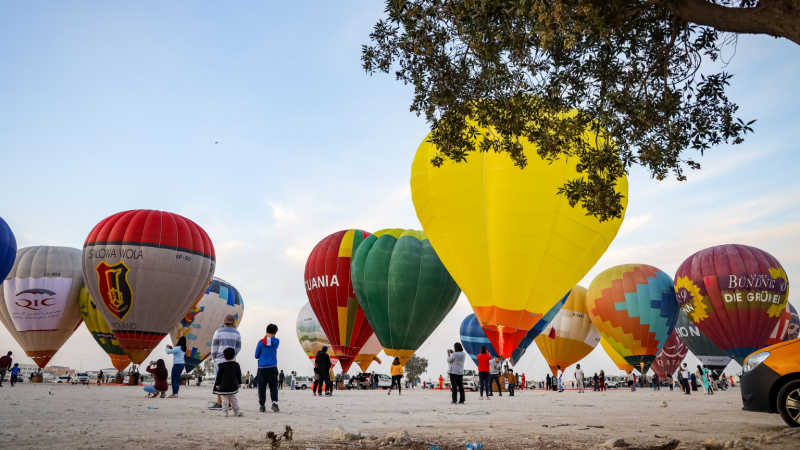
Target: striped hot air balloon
x: 571, y: 335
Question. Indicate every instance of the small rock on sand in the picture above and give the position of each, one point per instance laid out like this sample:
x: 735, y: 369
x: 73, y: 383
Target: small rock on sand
x: 615, y: 443
x: 397, y: 438
x: 345, y: 434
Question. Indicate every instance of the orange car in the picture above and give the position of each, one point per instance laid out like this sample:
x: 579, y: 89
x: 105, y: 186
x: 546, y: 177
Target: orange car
x: 771, y: 381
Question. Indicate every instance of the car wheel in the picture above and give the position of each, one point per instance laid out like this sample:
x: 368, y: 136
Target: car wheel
x: 789, y: 403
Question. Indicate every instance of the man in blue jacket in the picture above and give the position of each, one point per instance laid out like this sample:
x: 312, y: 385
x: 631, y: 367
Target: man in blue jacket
x: 267, y: 356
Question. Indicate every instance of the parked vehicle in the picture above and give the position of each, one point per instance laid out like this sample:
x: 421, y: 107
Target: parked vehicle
x: 82, y: 378
x: 384, y: 381
x: 64, y: 379
x: 303, y: 382
x: 771, y: 381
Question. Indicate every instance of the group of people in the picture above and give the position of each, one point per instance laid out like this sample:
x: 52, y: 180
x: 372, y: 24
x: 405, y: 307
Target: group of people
x: 710, y: 380
x: 5, y: 366
x: 225, y: 346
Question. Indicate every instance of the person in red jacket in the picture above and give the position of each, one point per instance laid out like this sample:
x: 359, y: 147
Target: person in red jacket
x: 483, y: 371
x: 159, y: 371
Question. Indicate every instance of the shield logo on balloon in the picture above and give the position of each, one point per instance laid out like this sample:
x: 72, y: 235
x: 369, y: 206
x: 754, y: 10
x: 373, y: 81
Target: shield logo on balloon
x: 112, y: 281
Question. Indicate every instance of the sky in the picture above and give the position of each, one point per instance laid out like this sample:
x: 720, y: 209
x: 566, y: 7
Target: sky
x: 257, y: 122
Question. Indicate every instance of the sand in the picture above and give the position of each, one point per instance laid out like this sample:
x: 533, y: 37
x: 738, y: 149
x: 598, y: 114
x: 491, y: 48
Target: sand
x: 67, y: 416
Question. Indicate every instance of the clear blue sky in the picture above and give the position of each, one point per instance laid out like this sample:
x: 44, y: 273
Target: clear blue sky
x: 110, y: 107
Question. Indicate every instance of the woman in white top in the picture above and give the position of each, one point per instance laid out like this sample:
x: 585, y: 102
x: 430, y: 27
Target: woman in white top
x: 178, y: 362
x: 455, y: 361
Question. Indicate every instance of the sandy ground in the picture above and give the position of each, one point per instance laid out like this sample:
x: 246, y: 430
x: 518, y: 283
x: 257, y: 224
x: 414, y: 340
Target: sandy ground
x: 64, y: 416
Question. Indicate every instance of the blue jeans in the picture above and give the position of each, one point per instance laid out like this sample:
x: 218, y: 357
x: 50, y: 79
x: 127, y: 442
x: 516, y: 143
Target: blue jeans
x: 150, y: 389
x: 483, y: 382
x: 177, y: 370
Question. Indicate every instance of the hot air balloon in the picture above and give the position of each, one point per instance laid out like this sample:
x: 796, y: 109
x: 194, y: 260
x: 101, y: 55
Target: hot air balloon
x: 144, y: 269
x: 619, y: 361
x: 781, y: 331
x: 706, y: 351
x: 571, y: 335
x: 670, y: 357
x: 473, y: 338
x: 404, y: 289
x: 794, y: 325
x: 39, y: 303
x: 202, y: 320
x: 735, y: 294
x: 633, y: 306
x: 310, y: 334
x: 100, y: 331
x: 8, y: 249
x: 511, y: 243
x: 330, y: 292
x: 537, y: 329
x: 369, y: 352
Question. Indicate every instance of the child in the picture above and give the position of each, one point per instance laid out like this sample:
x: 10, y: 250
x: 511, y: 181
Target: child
x: 14, y: 373
x: 229, y: 376
x: 267, y: 356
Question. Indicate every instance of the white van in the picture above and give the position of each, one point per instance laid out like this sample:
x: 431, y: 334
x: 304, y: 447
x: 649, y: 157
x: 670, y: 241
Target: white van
x: 384, y: 381
x: 303, y: 382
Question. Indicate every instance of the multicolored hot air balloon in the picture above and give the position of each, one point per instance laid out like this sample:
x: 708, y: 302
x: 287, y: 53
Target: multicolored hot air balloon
x: 781, y: 331
x: 670, y: 357
x: 735, y: 294
x: 706, y: 351
x: 537, y: 329
x: 369, y: 352
x: 794, y: 325
x: 330, y: 292
x: 512, y: 258
x: 8, y: 249
x: 633, y: 306
x: 39, y: 300
x: 144, y: 269
x: 310, y: 334
x: 618, y: 360
x: 101, y: 332
x: 404, y: 289
x: 202, y: 320
x: 473, y: 338
x: 571, y: 335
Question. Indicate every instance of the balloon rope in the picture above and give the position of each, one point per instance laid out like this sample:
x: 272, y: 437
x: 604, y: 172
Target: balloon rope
x: 500, y: 333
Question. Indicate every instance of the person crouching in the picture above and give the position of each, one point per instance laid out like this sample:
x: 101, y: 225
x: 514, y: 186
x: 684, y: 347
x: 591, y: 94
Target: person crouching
x: 229, y: 376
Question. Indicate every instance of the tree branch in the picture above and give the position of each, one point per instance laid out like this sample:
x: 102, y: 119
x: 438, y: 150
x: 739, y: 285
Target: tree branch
x: 775, y: 18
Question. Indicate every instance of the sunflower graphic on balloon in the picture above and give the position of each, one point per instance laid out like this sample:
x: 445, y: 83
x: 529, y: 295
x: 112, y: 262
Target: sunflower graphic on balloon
x: 690, y: 299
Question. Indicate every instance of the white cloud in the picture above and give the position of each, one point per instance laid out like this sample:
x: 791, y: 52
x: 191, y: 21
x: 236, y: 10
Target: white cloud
x: 283, y: 215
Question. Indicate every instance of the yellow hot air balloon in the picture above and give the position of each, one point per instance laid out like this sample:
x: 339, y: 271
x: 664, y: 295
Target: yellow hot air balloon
x: 100, y: 331
x: 616, y: 357
x: 571, y: 335
x: 368, y: 353
x: 511, y: 243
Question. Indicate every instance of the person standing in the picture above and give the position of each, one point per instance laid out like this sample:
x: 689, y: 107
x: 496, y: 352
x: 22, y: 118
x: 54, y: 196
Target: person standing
x: 5, y: 364
x: 602, y: 379
x: 523, y: 386
x: 579, y: 378
x: 455, y: 369
x: 323, y: 366
x: 267, y: 356
x: 560, y: 378
x: 227, y: 336
x: 441, y: 378
x: 483, y: 371
x: 656, y: 382
x: 683, y: 378
x: 397, y: 376
x: 512, y: 381
x: 100, y: 377
x: 548, y: 382
x: 494, y: 370
x: 226, y: 384
x: 178, y: 352
x: 281, y: 379
x: 291, y: 380
x: 15, y: 374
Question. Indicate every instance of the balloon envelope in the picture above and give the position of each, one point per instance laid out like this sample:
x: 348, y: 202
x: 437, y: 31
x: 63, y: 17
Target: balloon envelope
x: 619, y: 361
x: 203, y: 319
x: 633, y: 306
x: 735, y: 294
x: 473, y: 338
x: 670, y: 357
x: 369, y: 352
x: 794, y: 325
x: 330, y: 292
x: 310, y: 334
x: 403, y: 287
x: 101, y: 332
x: 39, y: 300
x: 706, y: 351
x: 8, y: 249
x: 145, y: 269
x: 537, y: 329
x: 571, y: 335
x: 781, y: 331
x: 510, y: 242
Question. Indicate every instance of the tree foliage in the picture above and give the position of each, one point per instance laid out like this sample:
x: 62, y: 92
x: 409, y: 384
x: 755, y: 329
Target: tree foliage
x: 415, y: 367
x: 613, y: 83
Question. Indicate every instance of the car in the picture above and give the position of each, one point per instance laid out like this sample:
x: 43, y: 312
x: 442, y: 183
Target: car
x: 82, y: 378
x: 64, y: 379
x: 611, y: 384
x: 384, y: 381
x: 303, y: 382
x: 770, y: 381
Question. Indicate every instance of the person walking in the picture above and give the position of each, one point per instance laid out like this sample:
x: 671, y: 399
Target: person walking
x: 494, y: 372
x: 226, y: 384
x: 159, y: 371
x: 15, y: 374
x: 483, y: 371
x: 323, y: 366
x: 281, y: 379
x: 560, y: 375
x: 397, y: 376
x: 227, y: 336
x: 702, y: 373
x: 267, y: 356
x: 579, y: 378
x: 455, y: 369
x: 178, y: 352
x: 5, y: 364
